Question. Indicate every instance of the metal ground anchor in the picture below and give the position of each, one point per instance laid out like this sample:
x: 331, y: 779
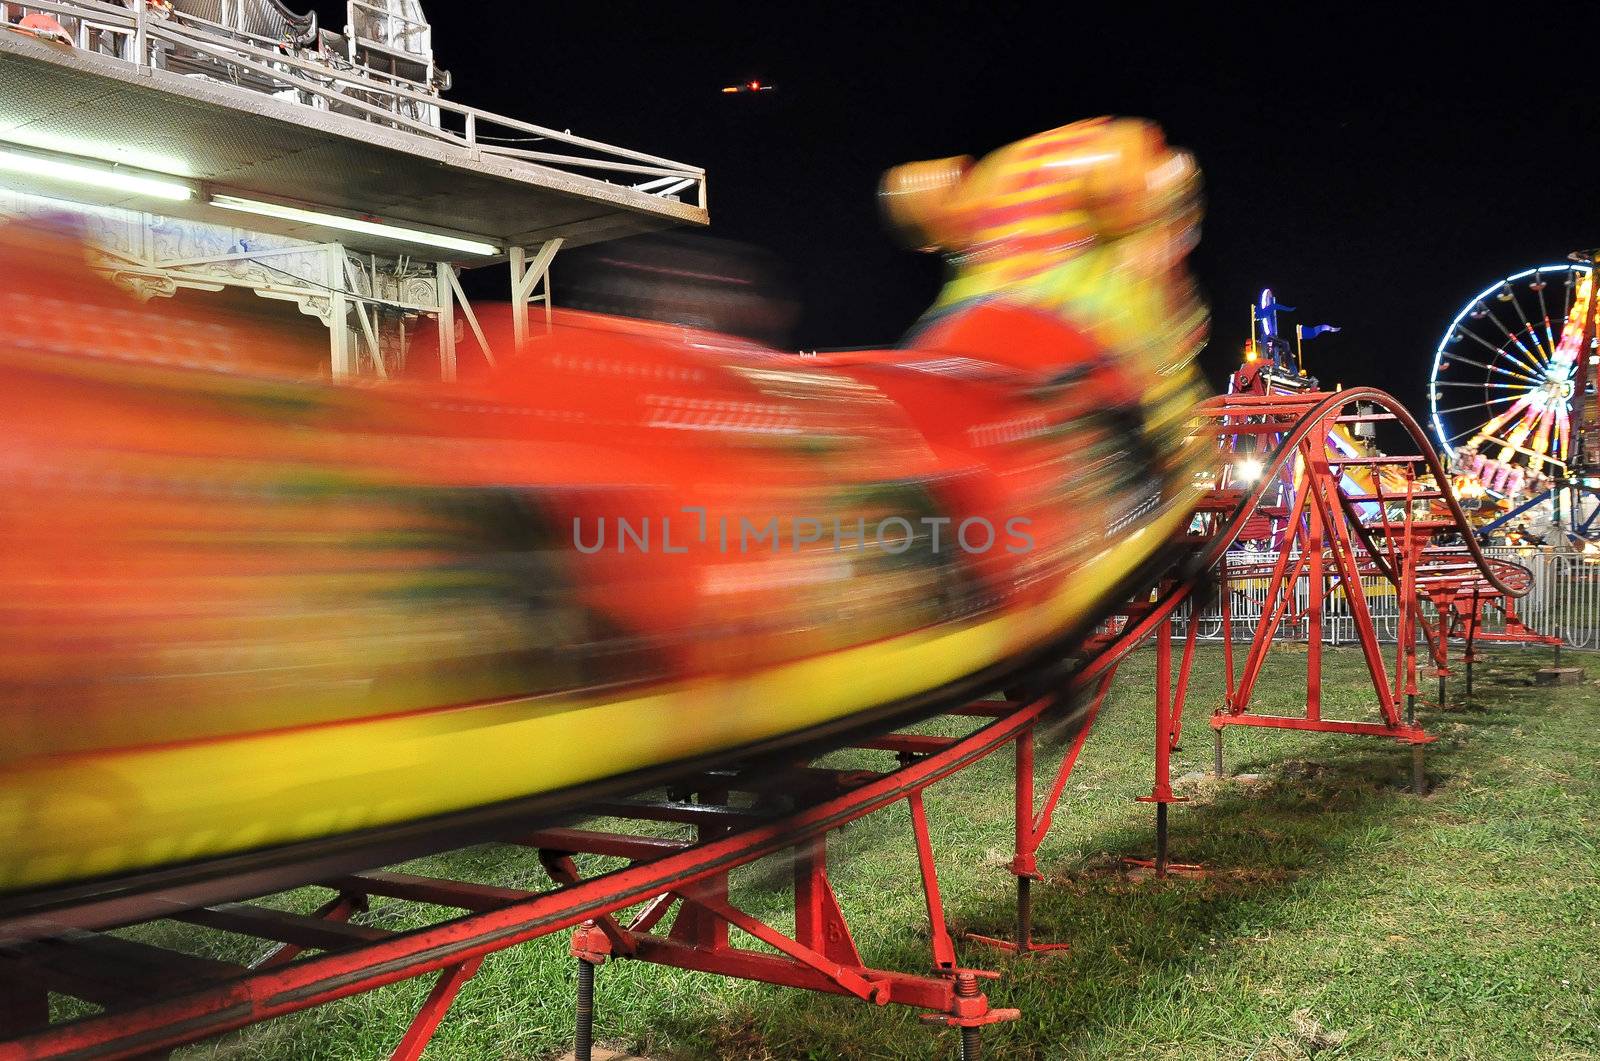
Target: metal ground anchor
x: 583, y: 1034
x: 967, y: 987
x: 591, y: 947
x: 969, y: 1011
x: 1161, y: 864
x: 1419, y: 778
x: 1024, y: 944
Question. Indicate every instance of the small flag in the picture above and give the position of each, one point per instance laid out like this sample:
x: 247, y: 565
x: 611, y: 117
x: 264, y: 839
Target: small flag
x: 1316, y: 330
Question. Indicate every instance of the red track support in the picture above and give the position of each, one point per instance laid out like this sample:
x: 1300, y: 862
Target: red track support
x: 819, y: 923
x: 1031, y: 826
x: 821, y: 955
x: 444, y: 992
x: 1168, y: 707
x: 1325, y: 531
x: 944, y: 948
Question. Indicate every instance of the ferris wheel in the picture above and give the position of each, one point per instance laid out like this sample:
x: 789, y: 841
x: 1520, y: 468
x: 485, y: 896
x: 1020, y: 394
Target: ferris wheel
x: 1501, y: 388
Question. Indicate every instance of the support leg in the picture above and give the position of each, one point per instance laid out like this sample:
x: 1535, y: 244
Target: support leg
x: 1023, y: 945
x: 1162, y: 865
x: 340, y: 363
x: 944, y: 948
x: 426, y: 1022
x: 1161, y: 841
x: 1161, y: 791
x: 1031, y: 828
x: 1418, y: 779
x: 1216, y: 747
x: 971, y: 1045
x: 1024, y: 914
x: 583, y: 1034
x: 447, y: 323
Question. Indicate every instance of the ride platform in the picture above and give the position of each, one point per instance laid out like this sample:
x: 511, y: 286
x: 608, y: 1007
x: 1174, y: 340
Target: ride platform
x: 238, y: 118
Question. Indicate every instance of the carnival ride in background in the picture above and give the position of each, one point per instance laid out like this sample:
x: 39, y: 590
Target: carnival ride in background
x: 305, y: 630
x: 1272, y: 365
x: 1511, y: 395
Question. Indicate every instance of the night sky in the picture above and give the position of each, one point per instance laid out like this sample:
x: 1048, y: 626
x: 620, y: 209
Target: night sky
x: 1375, y: 174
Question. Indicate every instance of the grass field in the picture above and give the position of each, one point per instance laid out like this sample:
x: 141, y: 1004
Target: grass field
x: 1343, y: 917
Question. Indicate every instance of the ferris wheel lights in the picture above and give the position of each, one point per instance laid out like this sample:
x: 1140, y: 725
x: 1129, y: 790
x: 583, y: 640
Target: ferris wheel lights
x: 1527, y: 365
x: 1247, y: 470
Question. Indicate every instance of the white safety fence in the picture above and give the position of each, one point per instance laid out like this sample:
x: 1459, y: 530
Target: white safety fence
x: 1248, y: 580
x: 1565, y: 600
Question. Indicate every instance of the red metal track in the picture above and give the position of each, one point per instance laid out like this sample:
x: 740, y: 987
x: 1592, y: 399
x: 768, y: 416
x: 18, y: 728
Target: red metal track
x: 156, y: 999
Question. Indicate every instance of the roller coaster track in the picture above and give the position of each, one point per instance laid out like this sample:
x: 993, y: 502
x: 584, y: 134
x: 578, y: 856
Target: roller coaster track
x: 679, y: 836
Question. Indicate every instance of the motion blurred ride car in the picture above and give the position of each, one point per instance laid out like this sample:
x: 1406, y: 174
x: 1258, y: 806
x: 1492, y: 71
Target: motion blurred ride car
x: 245, y: 609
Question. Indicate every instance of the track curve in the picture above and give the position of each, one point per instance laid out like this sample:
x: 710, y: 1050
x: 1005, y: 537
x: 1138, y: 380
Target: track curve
x: 1233, y: 416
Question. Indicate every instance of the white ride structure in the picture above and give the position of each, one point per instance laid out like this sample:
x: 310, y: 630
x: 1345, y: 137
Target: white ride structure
x: 205, y: 144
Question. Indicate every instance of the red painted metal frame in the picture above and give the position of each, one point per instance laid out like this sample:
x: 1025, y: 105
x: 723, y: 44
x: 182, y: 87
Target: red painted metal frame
x: 195, y: 999
x: 1329, y: 548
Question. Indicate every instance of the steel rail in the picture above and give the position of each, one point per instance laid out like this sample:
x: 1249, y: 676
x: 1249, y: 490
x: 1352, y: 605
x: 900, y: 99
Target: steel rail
x: 332, y: 976
x: 1317, y: 412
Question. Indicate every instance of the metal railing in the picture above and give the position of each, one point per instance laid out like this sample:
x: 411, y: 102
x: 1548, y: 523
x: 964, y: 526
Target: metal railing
x: 371, y: 24
x: 329, y: 83
x: 1564, y: 600
x: 1247, y: 589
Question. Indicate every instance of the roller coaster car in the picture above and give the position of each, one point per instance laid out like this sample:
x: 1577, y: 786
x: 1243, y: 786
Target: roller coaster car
x: 245, y: 611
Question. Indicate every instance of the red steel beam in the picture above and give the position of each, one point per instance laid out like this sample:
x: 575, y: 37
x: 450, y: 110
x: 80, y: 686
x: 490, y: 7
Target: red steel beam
x: 1409, y: 734
x: 186, y: 1017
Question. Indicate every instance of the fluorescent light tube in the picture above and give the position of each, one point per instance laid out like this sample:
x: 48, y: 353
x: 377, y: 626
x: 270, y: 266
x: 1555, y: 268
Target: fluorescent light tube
x: 121, y: 154
x: 351, y: 224
x: 94, y: 176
